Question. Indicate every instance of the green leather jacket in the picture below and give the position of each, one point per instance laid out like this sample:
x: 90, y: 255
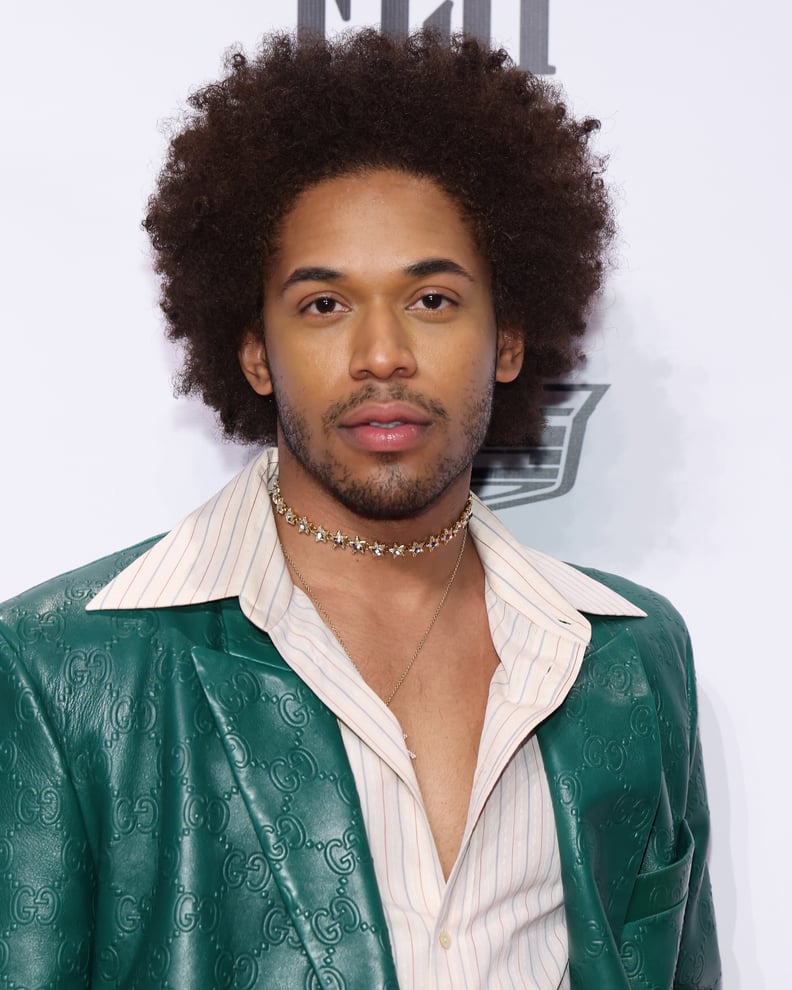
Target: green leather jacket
x: 177, y: 810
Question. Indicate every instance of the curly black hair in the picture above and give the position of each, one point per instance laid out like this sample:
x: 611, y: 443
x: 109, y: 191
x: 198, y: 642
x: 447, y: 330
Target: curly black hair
x: 497, y: 139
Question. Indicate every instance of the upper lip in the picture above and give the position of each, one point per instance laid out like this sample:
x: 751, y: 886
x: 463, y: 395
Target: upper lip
x: 385, y: 412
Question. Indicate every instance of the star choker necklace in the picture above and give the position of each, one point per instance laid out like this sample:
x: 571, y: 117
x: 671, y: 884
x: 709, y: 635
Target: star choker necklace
x: 341, y: 541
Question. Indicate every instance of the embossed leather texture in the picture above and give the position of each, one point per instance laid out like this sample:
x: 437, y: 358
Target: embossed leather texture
x: 177, y: 810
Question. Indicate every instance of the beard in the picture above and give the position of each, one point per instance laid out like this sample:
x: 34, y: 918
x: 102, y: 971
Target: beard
x: 390, y: 493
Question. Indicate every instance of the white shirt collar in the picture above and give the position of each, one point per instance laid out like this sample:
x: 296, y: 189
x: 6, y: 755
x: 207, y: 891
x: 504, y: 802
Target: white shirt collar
x: 229, y: 547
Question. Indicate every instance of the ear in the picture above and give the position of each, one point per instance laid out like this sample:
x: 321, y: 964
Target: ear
x: 253, y: 359
x: 511, y: 351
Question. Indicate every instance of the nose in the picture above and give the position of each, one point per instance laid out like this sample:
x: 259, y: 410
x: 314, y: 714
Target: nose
x: 382, y: 346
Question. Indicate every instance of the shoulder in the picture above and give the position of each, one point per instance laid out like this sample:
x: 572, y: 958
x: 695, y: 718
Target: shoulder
x: 75, y: 588
x: 47, y: 632
x: 661, y: 640
x: 660, y: 612
x: 45, y: 613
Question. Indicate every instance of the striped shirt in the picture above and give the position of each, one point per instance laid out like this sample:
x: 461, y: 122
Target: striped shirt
x: 498, y: 921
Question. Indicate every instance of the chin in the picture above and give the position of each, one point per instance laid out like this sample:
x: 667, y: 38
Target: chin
x: 394, y: 497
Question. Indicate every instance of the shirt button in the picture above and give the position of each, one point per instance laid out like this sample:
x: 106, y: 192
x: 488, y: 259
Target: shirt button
x: 444, y: 939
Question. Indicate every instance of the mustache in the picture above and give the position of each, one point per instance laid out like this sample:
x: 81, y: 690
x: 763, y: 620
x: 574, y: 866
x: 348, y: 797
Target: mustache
x: 392, y: 393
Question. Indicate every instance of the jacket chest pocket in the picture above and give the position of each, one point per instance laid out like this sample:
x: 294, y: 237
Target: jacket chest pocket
x: 653, y: 928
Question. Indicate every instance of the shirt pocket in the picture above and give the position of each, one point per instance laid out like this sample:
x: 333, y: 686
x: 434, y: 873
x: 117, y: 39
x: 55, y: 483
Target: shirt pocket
x: 653, y: 928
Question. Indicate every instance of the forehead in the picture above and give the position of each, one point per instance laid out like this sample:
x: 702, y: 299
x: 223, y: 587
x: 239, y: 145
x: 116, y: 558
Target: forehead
x: 376, y: 217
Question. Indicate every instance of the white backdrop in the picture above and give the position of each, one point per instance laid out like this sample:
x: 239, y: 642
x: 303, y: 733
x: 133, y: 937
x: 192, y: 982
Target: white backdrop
x: 686, y: 464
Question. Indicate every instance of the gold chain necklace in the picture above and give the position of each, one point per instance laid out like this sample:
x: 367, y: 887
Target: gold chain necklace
x: 324, y: 614
x: 341, y: 541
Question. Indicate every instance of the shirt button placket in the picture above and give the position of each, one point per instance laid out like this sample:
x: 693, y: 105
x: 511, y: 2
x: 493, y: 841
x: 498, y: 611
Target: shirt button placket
x: 444, y: 939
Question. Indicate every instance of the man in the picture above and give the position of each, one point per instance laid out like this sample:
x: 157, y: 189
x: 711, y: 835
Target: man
x: 337, y: 729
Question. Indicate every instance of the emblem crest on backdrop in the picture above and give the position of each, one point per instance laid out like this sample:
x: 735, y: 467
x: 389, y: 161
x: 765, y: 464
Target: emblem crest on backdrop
x: 505, y: 477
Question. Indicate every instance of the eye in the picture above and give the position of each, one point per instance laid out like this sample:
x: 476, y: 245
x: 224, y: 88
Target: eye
x: 433, y: 301
x: 323, y: 306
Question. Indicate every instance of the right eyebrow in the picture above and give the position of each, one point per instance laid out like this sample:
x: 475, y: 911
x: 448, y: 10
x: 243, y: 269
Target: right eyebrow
x: 311, y: 274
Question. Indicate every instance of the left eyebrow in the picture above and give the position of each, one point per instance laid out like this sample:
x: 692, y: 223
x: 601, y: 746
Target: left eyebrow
x: 437, y: 266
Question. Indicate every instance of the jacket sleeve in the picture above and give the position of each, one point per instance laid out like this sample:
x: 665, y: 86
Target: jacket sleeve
x: 698, y: 966
x: 46, y: 870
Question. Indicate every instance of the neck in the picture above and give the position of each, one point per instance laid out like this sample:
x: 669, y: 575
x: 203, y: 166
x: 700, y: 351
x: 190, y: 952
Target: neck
x: 322, y: 561
x: 310, y: 498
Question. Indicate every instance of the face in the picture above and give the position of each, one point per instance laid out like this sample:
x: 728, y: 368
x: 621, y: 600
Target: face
x: 380, y: 344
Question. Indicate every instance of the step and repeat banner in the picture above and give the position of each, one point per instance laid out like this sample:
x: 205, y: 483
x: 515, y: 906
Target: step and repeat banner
x: 666, y: 457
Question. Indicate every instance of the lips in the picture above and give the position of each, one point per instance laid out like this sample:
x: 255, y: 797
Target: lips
x: 385, y: 427
x: 385, y: 414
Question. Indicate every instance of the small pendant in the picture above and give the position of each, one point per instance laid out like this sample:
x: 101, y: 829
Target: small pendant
x: 409, y: 751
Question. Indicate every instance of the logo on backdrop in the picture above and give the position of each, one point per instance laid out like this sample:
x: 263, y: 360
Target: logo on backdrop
x: 505, y: 477
x: 476, y: 20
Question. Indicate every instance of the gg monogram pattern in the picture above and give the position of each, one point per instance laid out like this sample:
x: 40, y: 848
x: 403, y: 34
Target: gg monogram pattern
x: 173, y: 816
x: 624, y: 762
x: 177, y: 810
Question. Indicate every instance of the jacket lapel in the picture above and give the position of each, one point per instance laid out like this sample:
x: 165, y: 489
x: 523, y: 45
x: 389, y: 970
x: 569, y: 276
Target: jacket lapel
x: 286, y: 752
x: 602, y: 756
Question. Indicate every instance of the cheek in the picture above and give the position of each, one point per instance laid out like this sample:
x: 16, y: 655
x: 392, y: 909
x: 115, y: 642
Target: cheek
x: 467, y: 352
x: 291, y: 368
x: 479, y: 367
x: 309, y: 360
